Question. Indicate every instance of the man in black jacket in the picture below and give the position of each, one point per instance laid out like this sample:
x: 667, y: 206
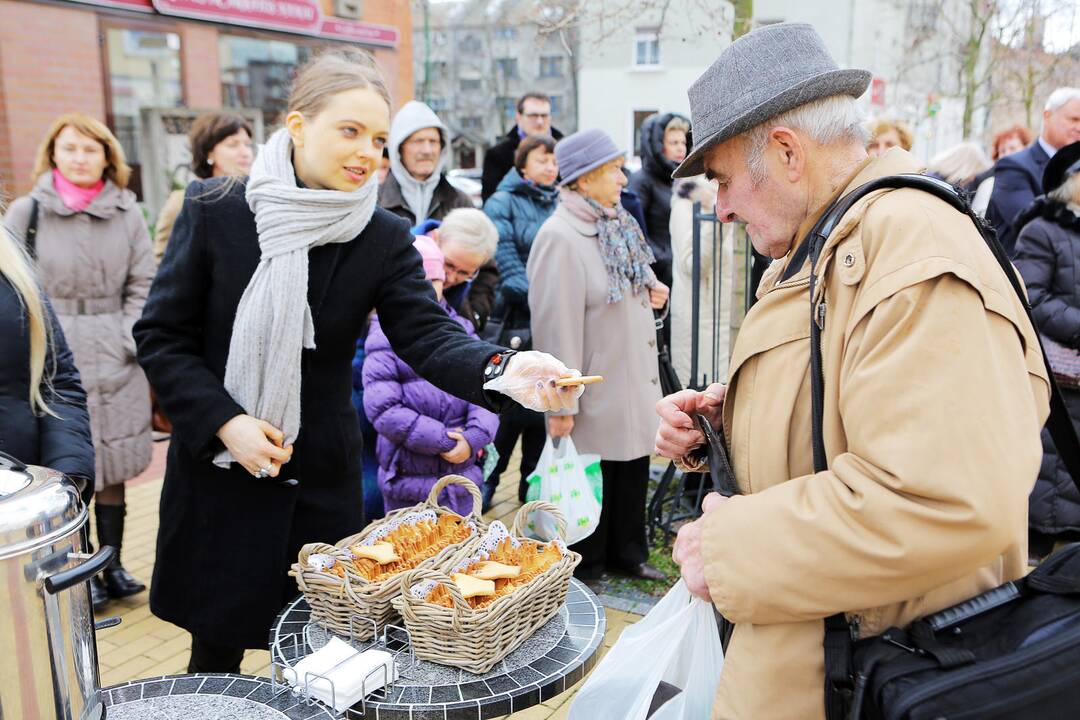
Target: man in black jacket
x: 533, y: 117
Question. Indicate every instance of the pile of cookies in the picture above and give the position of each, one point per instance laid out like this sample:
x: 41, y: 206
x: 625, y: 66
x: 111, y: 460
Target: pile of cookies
x: 504, y: 571
x: 407, y: 546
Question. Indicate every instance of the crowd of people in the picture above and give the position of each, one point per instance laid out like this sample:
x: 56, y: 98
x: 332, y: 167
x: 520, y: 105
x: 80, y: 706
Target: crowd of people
x: 277, y: 281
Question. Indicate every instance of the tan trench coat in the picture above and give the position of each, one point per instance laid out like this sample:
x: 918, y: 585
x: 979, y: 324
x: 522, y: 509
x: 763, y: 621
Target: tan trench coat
x: 572, y: 320
x: 97, y: 267
x: 934, y: 396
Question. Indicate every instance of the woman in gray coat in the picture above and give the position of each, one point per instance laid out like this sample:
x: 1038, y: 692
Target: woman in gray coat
x: 591, y: 295
x: 95, y: 262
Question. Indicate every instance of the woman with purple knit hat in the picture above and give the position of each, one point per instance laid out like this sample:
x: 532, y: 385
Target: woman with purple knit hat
x: 424, y: 433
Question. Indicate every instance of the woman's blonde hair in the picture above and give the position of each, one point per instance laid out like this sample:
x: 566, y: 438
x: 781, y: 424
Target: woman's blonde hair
x: 116, y: 168
x: 883, y: 125
x: 677, y: 124
x: 332, y: 72
x: 17, y: 269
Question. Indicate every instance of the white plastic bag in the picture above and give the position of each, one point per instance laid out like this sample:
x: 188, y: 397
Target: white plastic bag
x: 570, y: 482
x: 678, y: 643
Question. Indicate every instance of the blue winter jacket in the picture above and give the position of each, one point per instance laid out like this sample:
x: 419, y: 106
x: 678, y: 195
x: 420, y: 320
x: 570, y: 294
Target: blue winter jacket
x: 518, y: 208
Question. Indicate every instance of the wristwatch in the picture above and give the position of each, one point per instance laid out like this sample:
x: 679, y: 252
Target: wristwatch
x: 496, y: 364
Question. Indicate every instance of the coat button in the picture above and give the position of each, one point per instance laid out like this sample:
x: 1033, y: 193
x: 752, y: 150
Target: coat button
x: 655, y: 381
x: 849, y: 260
x: 652, y: 343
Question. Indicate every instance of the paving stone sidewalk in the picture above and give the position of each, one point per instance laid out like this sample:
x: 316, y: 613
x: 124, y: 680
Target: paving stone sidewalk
x: 143, y: 646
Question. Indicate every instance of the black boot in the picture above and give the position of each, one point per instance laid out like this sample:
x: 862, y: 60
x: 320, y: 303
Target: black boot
x: 110, y: 531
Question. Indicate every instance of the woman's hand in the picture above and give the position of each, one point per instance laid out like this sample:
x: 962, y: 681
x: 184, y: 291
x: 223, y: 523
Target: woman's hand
x: 560, y: 426
x: 255, y: 444
x: 529, y: 379
x: 460, y: 452
x: 658, y: 295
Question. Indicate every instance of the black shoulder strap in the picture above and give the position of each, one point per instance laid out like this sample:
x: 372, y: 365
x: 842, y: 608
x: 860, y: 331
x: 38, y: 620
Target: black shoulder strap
x: 31, y: 229
x: 1059, y: 424
x: 838, y: 637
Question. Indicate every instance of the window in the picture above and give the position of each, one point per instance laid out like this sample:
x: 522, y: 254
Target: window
x: 440, y: 70
x: 468, y: 84
x: 638, y: 119
x: 144, y: 71
x: 257, y: 73
x: 507, y: 67
x: 438, y: 104
x: 470, y: 44
x: 472, y: 123
x: 438, y: 38
x: 506, y: 33
x: 556, y: 104
x: 551, y: 66
x: 507, y: 106
x: 646, y: 47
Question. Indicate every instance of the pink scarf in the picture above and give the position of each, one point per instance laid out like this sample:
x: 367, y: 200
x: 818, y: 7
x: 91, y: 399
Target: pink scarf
x: 75, y: 197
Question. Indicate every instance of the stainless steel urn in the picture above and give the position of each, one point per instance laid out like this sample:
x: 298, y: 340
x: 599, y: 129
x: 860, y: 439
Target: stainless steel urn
x: 48, y: 654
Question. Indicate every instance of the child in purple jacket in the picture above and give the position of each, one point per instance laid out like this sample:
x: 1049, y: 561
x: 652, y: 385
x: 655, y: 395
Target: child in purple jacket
x: 424, y: 433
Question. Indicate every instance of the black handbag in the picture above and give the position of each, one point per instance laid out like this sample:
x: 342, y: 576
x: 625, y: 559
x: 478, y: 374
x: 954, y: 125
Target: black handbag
x: 1012, y: 652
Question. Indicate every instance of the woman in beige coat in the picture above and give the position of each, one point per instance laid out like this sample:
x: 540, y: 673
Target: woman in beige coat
x: 591, y: 296
x: 94, y: 260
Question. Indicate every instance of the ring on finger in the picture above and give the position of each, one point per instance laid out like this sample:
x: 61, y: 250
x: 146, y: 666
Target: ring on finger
x: 263, y: 472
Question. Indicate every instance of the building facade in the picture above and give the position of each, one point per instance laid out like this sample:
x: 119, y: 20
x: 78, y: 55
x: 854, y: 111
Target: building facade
x: 914, y: 51
x: 639, y: 58
x: 115, y: 59
x: 473, y: 59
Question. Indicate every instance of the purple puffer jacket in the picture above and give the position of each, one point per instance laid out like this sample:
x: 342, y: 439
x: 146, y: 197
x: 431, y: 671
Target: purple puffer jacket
x: 412, y: 417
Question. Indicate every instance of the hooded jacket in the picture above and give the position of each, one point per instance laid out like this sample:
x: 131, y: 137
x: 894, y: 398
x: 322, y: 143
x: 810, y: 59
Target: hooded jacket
x: 412, y: 417
x: 96, y: 266
x: 518, y: 209
x: 404, y: 195
x: 652, y: 185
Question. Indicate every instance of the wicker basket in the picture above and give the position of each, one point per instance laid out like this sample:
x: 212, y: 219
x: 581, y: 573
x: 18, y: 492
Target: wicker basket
x: 335, y: 601
x: 477, y: 639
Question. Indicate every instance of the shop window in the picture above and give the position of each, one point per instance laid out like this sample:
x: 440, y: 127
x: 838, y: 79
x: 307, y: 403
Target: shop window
x: 257, y: 73
x: 144, y: 72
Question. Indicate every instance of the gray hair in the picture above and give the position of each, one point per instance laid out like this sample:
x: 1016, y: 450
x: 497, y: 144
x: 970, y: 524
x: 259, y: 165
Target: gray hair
x: 959, y: 163
x: 1061, y: 97
x: 1066, y: 193
x: 832, y: 119
x: 471, y: 230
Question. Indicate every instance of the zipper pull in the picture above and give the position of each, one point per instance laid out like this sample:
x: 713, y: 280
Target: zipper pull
x: 820, y: 315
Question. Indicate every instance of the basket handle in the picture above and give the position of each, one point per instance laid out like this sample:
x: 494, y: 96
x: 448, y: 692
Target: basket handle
x: 528, y: 508
x: 477, y: 500
x: 416, y: 575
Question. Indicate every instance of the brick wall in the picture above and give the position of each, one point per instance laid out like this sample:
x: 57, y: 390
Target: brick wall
x: 199, y: 63
x: 42, y: 48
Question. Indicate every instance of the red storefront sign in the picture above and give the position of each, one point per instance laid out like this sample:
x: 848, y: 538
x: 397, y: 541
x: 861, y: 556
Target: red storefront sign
x: 302, y: 17
x: 877, y: 92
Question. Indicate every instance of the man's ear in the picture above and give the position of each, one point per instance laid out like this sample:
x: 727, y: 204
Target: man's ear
x: 790, y: 151
x: 294, y: 123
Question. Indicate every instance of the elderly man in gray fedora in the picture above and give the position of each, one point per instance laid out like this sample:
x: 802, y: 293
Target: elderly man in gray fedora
x: 932, y: 407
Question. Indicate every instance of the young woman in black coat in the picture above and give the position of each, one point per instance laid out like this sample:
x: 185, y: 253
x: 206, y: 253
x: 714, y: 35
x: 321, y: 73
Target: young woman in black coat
x: 43, y: 416
x: 248, y: 337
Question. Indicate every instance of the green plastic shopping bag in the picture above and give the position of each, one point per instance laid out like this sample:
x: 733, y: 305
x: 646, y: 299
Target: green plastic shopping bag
x: 571, y: 482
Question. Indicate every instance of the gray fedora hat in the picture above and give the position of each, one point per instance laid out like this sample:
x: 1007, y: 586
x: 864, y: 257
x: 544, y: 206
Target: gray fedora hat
x: 762, y: 74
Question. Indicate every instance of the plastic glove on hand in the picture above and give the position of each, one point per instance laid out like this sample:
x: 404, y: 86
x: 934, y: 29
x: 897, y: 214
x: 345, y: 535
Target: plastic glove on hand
x: 529, y: 379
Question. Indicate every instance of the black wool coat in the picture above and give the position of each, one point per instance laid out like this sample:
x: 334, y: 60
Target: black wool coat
x: 1048, y: 258
x: 61, y: 442
x: 226, y: 539
x: 499, y: 159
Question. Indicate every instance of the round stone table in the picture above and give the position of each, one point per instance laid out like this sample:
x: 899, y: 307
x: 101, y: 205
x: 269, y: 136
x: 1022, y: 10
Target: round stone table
x: 556, y: 657
x: 218, y: 696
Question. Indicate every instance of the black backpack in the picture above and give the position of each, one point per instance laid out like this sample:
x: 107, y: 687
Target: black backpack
x: 1012, y: 652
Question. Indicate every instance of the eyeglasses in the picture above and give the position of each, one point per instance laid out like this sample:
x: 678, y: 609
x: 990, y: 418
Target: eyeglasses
x: 537, y: 116
x: 453, y: 271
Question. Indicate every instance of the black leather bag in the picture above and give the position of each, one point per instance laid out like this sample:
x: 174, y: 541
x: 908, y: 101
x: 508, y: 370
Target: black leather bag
x: 1013, y: 652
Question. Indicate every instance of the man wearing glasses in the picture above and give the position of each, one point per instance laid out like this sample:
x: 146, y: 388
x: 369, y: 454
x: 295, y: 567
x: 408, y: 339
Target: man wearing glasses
x: 533, y: 117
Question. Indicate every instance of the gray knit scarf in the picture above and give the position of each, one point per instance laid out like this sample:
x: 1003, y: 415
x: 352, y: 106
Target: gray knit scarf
x: 273, y: 321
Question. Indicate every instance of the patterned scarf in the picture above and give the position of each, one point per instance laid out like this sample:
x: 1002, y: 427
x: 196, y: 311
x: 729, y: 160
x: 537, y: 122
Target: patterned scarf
x: 626, y: 255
